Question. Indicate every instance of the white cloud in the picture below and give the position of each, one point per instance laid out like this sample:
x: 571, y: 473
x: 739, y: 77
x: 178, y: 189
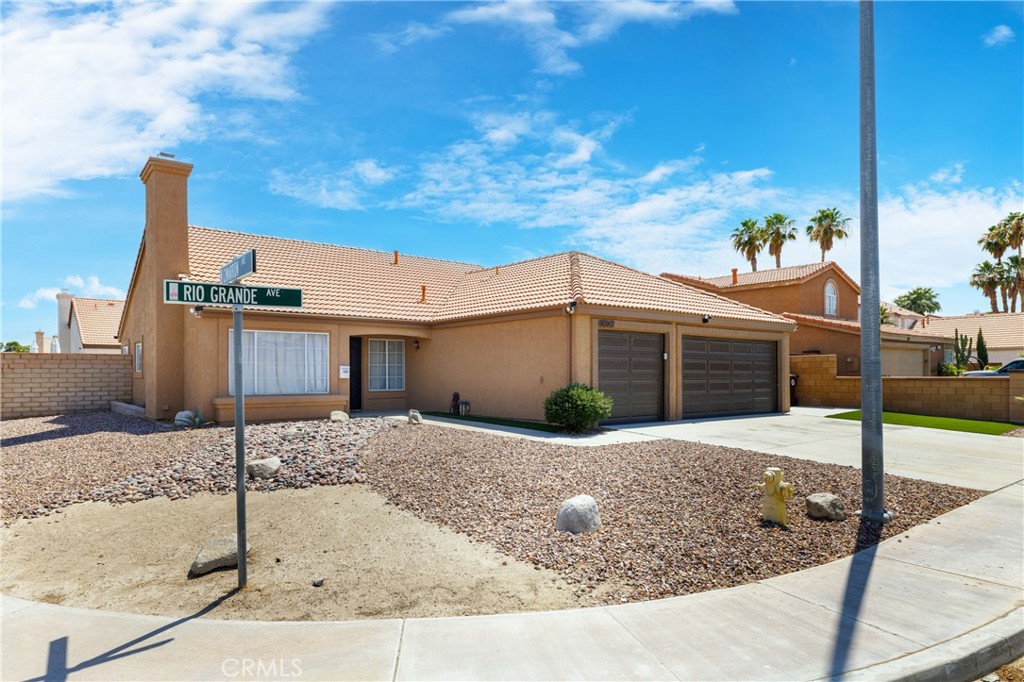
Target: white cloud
x: 89, y: 286
x: 90, y: 90
x: 999, y: 35
x: 414, y: 32
x: 949, y: 175
x: 343, y: 190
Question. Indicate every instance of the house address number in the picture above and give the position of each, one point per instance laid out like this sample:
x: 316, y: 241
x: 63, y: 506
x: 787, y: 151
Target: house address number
x: 606, y: 324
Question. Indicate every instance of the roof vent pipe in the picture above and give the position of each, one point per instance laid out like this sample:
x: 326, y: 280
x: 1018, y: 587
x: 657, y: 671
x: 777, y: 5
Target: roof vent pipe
x: 735, y: 277
x: 396, y: 256
x: 423, y: 293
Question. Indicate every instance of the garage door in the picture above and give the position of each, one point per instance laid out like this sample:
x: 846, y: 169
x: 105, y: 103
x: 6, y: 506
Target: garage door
x: 902, y: 363
x: 631, y: 370
x: 728, y: 376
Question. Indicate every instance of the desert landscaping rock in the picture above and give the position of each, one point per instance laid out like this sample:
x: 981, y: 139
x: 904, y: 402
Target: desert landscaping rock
x: 415, y: 417
x: 185, y: 418
x: 220, y: 552
x: 339, y: 416
x: 825, y: 506
x: 578, y: 515
x: 263, y: 468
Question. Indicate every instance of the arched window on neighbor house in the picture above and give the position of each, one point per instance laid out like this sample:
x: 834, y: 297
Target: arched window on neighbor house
x: 831, y: 299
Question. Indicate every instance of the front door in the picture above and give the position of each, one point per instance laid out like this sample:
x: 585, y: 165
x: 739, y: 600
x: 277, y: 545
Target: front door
x: 355, y: 382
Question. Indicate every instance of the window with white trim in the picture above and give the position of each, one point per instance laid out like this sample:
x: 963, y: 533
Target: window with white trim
x: 280, y: 363
x: 387, y: 365
x: 138, y: 358
x: 831, y: 299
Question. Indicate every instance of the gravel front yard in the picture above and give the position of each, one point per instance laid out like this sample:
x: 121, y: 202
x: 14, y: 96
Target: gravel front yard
x: 677, y: 517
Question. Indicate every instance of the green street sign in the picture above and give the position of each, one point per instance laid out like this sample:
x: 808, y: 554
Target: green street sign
x: 202, y: 293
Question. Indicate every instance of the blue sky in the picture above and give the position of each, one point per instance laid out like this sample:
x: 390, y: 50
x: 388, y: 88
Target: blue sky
x: 489, y: 133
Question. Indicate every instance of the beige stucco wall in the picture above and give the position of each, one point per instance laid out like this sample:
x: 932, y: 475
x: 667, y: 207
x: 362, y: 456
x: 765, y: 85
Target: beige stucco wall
x: 807, y: 298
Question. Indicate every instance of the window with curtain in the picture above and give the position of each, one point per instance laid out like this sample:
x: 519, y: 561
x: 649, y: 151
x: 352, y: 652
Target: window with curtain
x: 387, y: 365
x: 279, y: 363
x: 831, y: 299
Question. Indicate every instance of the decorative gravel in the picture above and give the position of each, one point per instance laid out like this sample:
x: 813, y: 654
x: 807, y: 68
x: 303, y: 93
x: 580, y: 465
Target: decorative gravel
x: 678, y: 517
x: 47, y: 463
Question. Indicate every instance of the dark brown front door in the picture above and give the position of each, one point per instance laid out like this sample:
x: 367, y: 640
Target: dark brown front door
x: 355, y: 364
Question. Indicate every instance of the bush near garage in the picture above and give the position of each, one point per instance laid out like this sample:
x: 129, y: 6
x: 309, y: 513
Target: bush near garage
x: 577, y: 407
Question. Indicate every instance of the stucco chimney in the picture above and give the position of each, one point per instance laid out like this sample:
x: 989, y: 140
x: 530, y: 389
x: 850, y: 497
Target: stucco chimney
x: 64, y: 299
x: 162, y: 327
x: 735, y: 276
x: 39, y: 342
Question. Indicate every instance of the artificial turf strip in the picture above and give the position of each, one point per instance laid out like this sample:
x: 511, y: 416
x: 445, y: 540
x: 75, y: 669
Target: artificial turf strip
x: 536, y: 426
x: 946, y: 423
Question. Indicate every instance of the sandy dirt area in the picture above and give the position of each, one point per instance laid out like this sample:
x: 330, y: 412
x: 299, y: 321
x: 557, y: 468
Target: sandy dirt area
x: 375, y: 560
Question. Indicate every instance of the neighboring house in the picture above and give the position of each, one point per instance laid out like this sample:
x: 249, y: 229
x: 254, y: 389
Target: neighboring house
x: 88, y: 325
x: 392, y: 331
x: 903, y: 318
x: 42, y: 344
x: 1003, y: 332
x: 824, y: 301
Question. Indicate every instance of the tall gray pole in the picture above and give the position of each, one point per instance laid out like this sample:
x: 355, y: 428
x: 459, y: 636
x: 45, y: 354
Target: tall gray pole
x: 243, y: 572
x: 872, y: 485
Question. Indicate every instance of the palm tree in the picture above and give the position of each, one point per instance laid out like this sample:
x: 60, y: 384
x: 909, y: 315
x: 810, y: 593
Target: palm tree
x: 827, y: 226
x: 1013, y: 281
x: 748, y: 239
x: 986, y: 277
x: 1014, y: 226
x: 922, y: 300
x: 778, y: 229
x: 884, y: 315
x: 996, y: 241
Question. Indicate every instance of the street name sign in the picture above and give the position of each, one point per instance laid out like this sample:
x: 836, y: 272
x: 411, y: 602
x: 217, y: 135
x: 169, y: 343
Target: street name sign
x: 203, y: 293
x: 241, y: 267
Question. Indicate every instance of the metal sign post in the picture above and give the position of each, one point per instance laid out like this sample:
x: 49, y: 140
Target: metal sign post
x: 243, y: 572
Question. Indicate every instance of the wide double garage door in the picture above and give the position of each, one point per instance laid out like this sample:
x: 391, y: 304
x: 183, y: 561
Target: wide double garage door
x: 728, y: 376
x: 720, y: 376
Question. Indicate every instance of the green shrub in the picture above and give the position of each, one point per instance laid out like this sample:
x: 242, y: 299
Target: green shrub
x: 577, y: 407
x: 948, y: 369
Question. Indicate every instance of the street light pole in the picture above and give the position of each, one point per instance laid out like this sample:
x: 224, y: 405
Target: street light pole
x: 872, y: 484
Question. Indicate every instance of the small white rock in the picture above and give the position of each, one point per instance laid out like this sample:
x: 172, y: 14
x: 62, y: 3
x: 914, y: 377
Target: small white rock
x: 578, y: 515
x: 263, y: 468
x: 217, y: 553
x: 339, y: 416
x: 415, y: 417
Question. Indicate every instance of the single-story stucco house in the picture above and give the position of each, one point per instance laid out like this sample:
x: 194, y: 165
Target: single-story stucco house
x: 88, y: 325
x: 381, y: 330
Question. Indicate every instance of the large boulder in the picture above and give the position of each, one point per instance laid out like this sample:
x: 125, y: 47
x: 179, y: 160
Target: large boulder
x: 185, y: 418
x: 263, y: 468
x: 578, y: 515
x: 220, y: 552
x: 339, y: 416
x: 415, y: 417
x: 825, y: 506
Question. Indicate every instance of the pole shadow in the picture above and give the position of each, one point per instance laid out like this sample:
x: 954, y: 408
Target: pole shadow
x: 57, y: 669
x: 869, y: 534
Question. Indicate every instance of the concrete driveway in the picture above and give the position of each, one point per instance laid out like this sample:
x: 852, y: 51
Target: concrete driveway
x: 951, y: 457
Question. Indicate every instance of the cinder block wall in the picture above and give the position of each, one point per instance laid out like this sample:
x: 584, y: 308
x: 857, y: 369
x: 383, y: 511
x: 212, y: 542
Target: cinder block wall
x: 42, y: 384
x: 989, y: 399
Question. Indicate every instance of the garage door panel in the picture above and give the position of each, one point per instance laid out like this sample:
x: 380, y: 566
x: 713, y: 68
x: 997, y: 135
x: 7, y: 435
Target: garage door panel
x: 631, y: 369
x: 728, y: 376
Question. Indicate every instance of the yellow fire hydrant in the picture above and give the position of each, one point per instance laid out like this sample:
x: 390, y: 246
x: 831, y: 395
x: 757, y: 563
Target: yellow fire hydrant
x: 776, y: 492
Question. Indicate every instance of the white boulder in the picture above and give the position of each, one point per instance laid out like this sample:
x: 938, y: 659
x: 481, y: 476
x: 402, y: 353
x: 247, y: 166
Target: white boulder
x: 339, y: 416
x: 825, y: 506
x: 415, y: 417
x: 220, y: 552
x: 263, y: 468
x: 578, y: 515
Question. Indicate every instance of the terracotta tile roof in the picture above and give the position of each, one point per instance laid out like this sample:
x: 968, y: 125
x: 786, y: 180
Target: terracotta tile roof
x: 897, y: 310
x: 762, y: 278
x: 1001, y: 330
x: 887, y: 330
x: 349, y: 282
x: 335, y: 280
x: 98, y: 319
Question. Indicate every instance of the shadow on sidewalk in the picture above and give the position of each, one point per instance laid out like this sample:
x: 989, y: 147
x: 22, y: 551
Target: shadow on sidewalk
x: 869, y: 534
x: 57, y: 669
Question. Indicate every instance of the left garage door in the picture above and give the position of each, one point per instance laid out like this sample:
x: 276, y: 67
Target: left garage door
x: 631, y: 370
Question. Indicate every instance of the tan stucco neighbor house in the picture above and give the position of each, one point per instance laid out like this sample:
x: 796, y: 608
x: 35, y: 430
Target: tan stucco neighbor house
x: 383, y: 330
x: 1003, y: 332
x: 824, y: 301
x: 88, y: 325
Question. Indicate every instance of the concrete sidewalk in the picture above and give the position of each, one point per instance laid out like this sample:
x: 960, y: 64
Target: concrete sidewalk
x: 944, y: 601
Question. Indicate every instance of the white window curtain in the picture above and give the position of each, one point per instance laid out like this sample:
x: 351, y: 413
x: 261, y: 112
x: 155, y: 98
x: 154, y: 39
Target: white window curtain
x: 280, y: 363
x: 831, y: 299
x: 387, y: 365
